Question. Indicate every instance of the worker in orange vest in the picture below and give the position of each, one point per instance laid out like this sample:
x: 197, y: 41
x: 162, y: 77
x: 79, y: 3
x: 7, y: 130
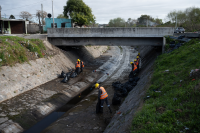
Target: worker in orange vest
x: 102, y: 97
x: 82, y: 66
x: 77, y: 66
x: 138, y: 63
x: 134, y: 67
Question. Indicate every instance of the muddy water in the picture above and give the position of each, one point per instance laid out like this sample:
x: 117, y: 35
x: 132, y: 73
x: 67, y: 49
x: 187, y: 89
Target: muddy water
x: 44, y: 123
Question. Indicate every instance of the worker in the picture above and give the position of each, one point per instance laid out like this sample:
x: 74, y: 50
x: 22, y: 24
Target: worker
x: 102, y: 97
x: 138, y: 63
x: 77, y: 66
x: 82, y: 66
x: 134, y: 67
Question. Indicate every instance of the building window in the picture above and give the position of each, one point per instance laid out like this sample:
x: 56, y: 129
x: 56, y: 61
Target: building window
x: 55, y: 24
x: 62, y: 25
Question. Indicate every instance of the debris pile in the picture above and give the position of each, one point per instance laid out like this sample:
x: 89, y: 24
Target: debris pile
x: 68, y: 75
x: 121, y: 90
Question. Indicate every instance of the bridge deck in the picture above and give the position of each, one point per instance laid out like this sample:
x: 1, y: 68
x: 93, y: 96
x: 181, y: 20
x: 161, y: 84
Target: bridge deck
x: 111, y: 32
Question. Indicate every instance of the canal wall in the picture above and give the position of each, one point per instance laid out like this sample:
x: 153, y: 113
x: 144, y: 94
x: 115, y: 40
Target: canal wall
x: 20, y: 78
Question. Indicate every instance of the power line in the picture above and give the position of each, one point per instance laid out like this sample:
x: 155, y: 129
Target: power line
x: 24, y: 6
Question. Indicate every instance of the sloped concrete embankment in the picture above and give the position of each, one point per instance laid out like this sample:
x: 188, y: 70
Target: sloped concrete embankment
x: 18, y: 79
x: 23, y: 77
x: 121, y: 121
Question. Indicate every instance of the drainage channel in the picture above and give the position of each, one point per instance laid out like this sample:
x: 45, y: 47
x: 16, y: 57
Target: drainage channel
x: 48, y: 120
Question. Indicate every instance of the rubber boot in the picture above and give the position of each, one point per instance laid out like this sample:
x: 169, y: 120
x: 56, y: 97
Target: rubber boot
x: 110, y: 110
x: 101, y: 110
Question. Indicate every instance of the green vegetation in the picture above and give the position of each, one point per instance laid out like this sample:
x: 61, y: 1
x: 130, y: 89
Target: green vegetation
x: 16, y: 49
x: 188, y: 18
x: 174, y: 102
x: 79, y: 12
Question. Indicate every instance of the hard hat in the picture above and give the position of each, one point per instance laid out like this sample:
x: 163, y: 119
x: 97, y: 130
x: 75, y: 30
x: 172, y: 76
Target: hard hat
x: 131, y: 62
x: 137, y: 57
x: 138, y: 53
x: 135, y: 60
x: 96, y: 85
x: 78, y: 60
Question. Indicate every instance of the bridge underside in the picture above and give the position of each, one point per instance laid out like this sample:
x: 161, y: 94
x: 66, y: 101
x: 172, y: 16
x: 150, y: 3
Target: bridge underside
x: 108, y: 41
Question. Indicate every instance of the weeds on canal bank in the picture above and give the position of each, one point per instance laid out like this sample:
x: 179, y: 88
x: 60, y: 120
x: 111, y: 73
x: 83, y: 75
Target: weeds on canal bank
x: 174, y: 102
x: 18, y: 50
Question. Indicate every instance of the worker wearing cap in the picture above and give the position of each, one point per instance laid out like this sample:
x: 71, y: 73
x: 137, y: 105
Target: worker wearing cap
x: 77, y: 66
x: 138, y: 63
x: 102, y: 97
x: 134, y: 66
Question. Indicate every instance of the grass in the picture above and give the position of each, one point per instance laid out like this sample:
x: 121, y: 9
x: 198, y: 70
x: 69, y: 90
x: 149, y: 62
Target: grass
x: 177, y: 107
x: 14, y: 49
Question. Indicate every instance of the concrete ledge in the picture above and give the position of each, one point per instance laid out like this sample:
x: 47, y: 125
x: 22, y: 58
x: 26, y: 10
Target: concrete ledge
x: 108, y: 41
x: 190, y: 35
x: 111, y: 32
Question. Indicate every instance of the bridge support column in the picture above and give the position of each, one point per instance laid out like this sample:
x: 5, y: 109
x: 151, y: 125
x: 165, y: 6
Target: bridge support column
x: 163, y: 46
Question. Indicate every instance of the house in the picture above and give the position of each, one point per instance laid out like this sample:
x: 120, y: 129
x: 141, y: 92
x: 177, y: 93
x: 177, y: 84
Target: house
x: 58, y: 22
x: 13, y: 26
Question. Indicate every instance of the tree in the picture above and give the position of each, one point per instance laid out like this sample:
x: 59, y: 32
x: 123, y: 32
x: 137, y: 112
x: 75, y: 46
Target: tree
x: 117, y: 22
x: 189, y: 18
x: 131, y: 22
x: 79, y: 12
x: 142, y: 20
x: 25, y: 15
x: 39, y: 15
x: 158, y: 21
x: 61, y: 16
x: 12, y: 17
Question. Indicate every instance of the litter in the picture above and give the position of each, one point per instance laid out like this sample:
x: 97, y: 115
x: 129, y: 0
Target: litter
x: 119, y: 112
x: 62, y: 75
x: 116, y: 99
x: 166, y: 70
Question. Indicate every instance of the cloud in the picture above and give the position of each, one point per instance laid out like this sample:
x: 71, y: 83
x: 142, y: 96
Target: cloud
x: 104, y: 10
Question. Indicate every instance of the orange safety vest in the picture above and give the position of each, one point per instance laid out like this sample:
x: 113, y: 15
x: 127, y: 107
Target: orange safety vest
x: 135, y: 67
x: 104, y: 93
x: 78, y: 64
x: 137, y: 63
x: 82, y: 64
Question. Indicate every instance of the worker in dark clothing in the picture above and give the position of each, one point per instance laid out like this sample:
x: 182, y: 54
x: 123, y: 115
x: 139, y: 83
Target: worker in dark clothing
x: 82, y: 66
x: 102, y: 97
x: 77, y: 66
x: 138, y: 63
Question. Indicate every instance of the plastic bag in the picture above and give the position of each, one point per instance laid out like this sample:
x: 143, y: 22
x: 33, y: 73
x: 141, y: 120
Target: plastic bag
x: 62, y: 75
x: 116, y: 99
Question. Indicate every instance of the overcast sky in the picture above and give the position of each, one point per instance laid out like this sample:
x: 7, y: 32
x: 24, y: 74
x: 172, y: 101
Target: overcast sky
x: 104, y: 10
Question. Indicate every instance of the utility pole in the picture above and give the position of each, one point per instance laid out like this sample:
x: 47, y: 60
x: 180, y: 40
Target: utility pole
x: 39, y: 21
x: 0, y: 12
x: 1, y: 22
x: 53, y: 15
x: 176, y: 22
x: 42, y: 18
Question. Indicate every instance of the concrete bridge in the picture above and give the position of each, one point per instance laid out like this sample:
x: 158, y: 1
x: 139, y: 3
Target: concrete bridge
x: 109, y: 36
